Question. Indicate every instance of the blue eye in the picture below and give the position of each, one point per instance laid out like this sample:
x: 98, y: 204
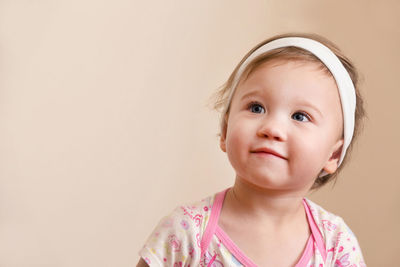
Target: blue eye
x: 300, y: 116
x: 256, y: 108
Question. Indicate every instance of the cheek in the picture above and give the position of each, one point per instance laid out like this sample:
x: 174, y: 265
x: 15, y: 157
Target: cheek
x: 237, y: 142
x: 234, y: 140
x: 312, y: 151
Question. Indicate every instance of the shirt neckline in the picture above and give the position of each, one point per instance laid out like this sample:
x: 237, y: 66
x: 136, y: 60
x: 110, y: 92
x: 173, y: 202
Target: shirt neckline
x: 214, y: 228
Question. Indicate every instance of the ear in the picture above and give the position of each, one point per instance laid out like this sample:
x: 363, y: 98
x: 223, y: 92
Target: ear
x: 332, y: 164
x: 222, y: 140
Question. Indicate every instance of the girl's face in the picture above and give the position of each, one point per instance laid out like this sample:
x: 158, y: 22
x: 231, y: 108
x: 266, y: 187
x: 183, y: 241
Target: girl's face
x: 284, y: 126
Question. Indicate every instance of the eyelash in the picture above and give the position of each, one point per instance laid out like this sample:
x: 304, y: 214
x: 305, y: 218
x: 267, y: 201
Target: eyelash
x: 254, y: 103
x: 305, y: 114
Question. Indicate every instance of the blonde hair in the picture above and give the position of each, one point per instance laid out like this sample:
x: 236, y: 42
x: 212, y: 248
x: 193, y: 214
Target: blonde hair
x: 221, y: 97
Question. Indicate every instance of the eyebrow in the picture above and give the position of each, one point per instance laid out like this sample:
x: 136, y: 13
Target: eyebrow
x: 251, y: 93
x: 307, y: 104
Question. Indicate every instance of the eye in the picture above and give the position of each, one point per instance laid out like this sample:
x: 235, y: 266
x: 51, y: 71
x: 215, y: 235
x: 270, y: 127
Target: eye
x: 255, y: 107
x: 301, y: 116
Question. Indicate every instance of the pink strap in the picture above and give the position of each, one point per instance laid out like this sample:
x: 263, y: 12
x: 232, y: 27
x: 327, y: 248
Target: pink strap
x: 319, y: 240
x: 307, y: 254
x: 213, y: 221
x: 231, y: 246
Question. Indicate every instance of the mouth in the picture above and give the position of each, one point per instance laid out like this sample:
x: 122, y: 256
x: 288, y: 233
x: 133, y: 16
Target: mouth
x: 267, y: 152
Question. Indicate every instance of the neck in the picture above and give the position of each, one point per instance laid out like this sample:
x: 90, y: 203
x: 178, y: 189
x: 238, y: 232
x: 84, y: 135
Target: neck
x: 271, y: 206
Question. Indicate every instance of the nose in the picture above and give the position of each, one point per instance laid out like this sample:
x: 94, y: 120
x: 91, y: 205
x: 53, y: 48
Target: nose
x: 272, y: 127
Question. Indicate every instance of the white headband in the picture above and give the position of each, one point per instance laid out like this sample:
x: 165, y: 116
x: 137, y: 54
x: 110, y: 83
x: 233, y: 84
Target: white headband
x: 330, y: 60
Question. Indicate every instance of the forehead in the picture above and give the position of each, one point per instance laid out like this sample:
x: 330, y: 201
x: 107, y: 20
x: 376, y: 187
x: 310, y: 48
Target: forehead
x: 289, y: 78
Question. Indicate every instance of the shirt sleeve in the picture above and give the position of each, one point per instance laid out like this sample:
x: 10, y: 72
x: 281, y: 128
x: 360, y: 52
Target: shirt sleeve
x: 175, y: 241
x: 347, y: 251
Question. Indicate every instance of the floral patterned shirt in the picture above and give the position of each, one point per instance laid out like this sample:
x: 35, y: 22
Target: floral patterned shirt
x: 190, y: 236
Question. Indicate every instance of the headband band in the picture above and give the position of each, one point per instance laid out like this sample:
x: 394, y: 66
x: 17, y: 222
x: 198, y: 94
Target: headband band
x: 331, y: 61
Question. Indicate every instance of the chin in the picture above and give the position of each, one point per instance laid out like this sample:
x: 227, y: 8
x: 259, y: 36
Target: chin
x: 268, y: 183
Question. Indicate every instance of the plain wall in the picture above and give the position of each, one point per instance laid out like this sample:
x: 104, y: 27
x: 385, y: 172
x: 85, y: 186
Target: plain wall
x: 104, y: 124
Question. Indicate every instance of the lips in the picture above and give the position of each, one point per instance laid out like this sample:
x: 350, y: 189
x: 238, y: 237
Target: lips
x: 267, y: 151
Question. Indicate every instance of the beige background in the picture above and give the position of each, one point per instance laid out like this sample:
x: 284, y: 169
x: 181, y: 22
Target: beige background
x: 104, y: 126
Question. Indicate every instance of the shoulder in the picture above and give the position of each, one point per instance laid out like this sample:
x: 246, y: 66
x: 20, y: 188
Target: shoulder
x: 176, y: 238
x: 192, y: 216
x: 327, y: 222
x: 340, y: 242
x: 196, y: 213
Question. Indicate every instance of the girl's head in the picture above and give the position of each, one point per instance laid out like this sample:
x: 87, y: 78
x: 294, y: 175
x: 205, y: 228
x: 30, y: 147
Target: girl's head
x: 286, y: 100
